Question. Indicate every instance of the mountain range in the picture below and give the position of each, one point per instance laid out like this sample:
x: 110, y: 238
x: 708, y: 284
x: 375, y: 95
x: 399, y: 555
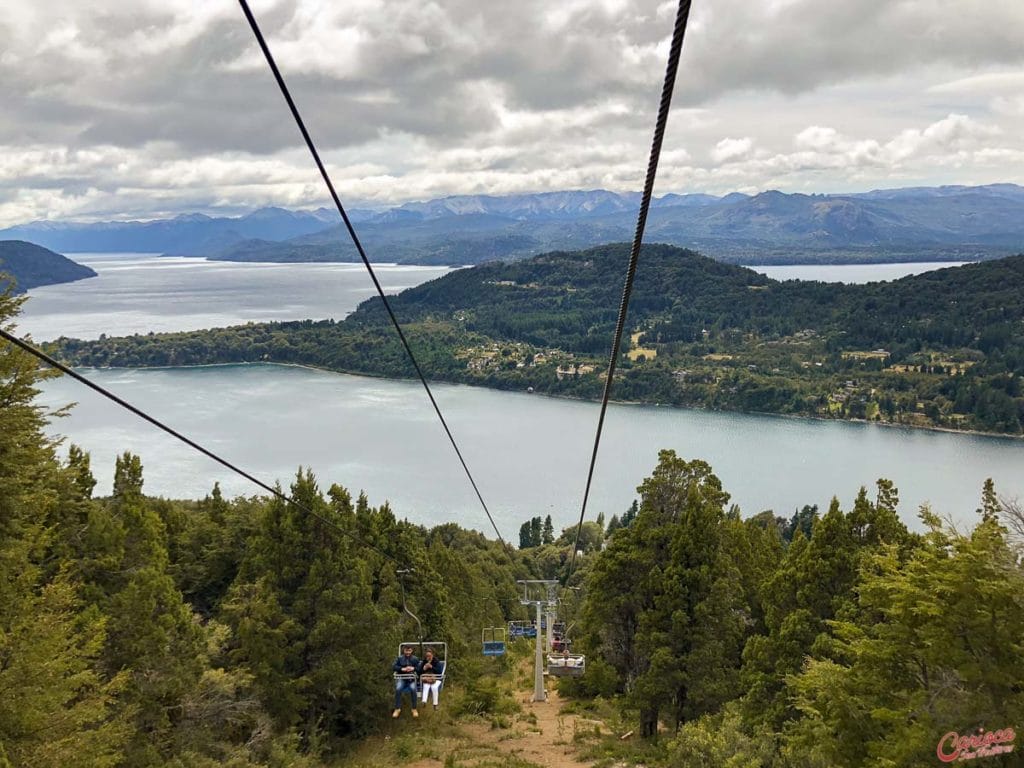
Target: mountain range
x: 941, y: 223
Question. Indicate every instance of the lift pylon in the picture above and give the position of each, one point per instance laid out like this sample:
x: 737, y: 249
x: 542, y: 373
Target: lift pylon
x: 540, y: 593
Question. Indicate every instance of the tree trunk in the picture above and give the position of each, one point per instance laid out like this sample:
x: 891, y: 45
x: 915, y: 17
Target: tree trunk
x: 649, y: 723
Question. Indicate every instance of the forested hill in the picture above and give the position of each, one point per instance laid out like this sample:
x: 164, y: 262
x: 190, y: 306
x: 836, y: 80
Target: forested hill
x: 570, y: 300
x: 945, y: 348
x: 31, y: 266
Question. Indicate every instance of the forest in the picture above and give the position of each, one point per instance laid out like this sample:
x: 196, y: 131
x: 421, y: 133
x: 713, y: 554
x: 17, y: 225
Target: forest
x: 941, y: 349
x: 140, y: 631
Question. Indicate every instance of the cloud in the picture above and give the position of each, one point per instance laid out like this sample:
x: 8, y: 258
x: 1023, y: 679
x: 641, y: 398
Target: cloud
x: 801, y: 45
x: 109, y: 105
x: 730, y: 150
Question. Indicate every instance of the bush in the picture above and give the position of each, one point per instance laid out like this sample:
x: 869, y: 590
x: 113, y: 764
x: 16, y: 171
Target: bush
x: 484, y: 697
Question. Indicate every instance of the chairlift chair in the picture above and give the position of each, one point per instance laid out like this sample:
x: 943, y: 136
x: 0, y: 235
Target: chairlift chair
x: 521, y: 629
x: 440, y: 649
x: 566, y: 664
x: 493, y: 639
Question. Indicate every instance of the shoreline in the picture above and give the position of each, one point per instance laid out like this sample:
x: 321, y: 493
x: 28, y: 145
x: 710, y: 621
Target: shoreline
x: 634, y: 403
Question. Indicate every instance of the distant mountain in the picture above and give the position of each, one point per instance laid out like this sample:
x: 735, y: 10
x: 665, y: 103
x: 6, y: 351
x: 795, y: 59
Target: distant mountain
x: 945, y: 223
x: 935, y: 223
x: 189, y: 233
x: 32, y: 266
x: 544, y: 206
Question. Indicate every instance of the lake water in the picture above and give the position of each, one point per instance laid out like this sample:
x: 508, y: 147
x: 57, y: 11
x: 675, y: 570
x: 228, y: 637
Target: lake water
x: 852, y: 273
x: 529, y: 453
x: 138, y: 293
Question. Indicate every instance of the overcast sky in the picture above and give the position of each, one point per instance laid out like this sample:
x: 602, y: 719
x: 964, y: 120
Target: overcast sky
x: 139, y: 109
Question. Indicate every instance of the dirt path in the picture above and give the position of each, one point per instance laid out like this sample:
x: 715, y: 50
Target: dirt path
x: 539, y: 735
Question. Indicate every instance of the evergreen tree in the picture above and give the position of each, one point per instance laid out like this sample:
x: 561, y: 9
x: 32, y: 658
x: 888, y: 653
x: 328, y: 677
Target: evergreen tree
x: 990, y: 505
x: 663, y: 602
x: 56, y: 708
x: 630, y: 515
x: 536, y: 532
x: 525, y: 535
x: 305, y: 618
x: 813, y: 586
x: 548, y: 534
x: 151, y: 631
x: 920, y: 655
x: 802, y: 520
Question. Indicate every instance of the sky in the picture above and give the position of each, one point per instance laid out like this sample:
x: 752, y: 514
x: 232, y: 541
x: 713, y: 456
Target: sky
x: 115, y: 110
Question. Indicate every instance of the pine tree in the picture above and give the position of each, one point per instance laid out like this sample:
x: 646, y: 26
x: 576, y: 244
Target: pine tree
x: 536, y: 532
x: 990, y: 506
x: 630, y: 515
x: 920, y: 653
x: 525, y: 535
x: 548, y: 535
x: 664, y: 602
x: 304, y: 613
x: 151, y: 631
x: 55, y: 706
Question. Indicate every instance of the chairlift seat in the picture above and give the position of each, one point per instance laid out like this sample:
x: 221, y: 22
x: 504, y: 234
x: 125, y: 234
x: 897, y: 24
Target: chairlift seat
x: 521, y: 629
x: 493, y: 641
x: 494, y: 648
x: 567, y: 665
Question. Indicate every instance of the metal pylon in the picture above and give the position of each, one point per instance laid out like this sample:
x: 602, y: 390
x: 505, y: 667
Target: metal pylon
x: 532, y: 595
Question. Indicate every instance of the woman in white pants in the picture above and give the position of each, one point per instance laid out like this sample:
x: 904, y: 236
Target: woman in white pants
x: 431, y: 670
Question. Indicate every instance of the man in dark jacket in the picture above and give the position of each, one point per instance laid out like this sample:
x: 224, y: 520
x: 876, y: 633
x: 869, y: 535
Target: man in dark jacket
x: 405, y: 668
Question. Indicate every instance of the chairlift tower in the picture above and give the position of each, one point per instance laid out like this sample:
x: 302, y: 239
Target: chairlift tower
x: 540, y: 593
x: 552, y: 605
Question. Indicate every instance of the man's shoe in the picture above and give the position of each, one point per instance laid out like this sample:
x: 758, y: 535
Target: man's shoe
x: 415, y: 713
x: 397, y: 712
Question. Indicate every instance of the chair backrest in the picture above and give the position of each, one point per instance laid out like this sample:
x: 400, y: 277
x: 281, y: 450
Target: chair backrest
x: 440, y: 649
x: 567, y: 665
x: 493, y: 641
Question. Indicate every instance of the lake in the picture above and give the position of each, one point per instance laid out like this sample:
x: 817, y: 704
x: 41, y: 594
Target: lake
x: 139, y: 293
x: 529, y: 453
x: 852, y: 273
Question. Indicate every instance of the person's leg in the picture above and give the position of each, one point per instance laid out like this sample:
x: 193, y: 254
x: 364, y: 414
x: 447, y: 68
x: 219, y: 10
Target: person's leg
x: 398, y: 697
x: 413, y: 692
x: 426, y: 690
x: 435, y: 689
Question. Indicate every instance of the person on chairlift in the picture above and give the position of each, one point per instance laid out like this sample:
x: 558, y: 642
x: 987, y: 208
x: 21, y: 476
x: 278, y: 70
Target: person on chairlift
x: 431, y: 669
x: 406, y: 664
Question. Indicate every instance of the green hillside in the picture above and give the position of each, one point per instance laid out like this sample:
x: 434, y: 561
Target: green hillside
x: 942, y: 349
x: 31, y: 266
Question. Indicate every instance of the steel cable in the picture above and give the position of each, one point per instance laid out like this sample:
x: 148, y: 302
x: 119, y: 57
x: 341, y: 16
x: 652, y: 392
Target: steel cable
x: 678, y: 33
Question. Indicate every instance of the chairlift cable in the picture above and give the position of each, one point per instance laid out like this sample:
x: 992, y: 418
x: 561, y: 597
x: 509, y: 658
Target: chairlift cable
x: 675, y: 50
x: 68, y: 371
x: 362, y: 253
